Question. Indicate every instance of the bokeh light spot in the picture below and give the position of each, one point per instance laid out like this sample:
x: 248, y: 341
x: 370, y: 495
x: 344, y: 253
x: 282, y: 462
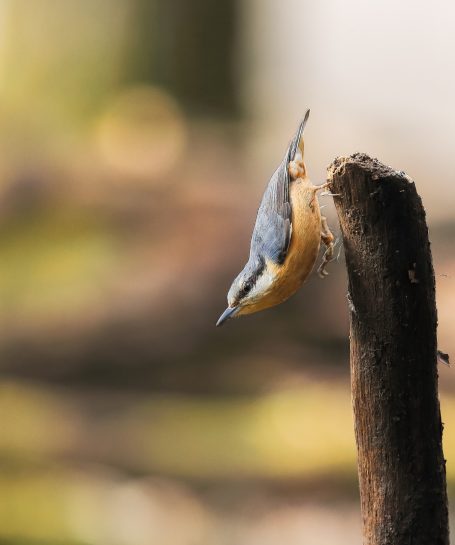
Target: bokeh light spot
x: 142, y: 133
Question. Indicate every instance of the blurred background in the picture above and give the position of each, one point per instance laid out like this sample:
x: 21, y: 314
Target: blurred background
x: 136, y: 138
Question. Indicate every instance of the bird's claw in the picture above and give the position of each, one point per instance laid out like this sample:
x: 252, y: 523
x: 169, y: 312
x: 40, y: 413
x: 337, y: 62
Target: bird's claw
x: 327, y: 239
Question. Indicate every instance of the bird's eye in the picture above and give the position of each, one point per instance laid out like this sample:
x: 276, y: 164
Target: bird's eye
x: 247, y: 286
x: 244, y: 289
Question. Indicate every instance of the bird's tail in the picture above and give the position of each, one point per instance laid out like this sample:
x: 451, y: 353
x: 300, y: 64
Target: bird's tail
x: 297, y: 143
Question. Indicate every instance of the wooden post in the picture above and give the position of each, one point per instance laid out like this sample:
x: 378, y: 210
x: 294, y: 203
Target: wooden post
x: 393, y: 354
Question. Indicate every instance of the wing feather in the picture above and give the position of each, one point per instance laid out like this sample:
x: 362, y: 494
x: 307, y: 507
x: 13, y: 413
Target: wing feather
x: 273, y: 229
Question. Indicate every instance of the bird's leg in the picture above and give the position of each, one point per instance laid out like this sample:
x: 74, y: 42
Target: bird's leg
x: 325, y: 186
x: 322, y: 186
x: 328, y: 240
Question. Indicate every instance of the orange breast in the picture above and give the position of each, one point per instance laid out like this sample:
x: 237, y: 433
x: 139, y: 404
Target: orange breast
x: 303, y: 249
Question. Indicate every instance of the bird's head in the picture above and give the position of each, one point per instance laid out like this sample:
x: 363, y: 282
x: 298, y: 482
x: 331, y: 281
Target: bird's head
x: 249, y: 289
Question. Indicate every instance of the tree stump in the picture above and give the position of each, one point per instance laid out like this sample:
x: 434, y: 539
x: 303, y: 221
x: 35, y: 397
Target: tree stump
x: 393, y: 352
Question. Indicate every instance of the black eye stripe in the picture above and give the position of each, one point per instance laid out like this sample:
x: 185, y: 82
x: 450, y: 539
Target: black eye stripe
x: 247, y: 287
x: 249, y: 284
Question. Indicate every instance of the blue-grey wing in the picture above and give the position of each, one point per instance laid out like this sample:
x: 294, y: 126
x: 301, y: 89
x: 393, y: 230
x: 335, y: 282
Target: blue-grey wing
x: 272, y: 231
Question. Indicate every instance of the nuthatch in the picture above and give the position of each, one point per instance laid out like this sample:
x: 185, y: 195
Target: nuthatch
x: 286, y: 238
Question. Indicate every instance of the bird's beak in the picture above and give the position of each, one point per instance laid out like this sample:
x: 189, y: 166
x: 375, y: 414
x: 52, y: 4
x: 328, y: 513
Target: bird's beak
x: 230, y: 312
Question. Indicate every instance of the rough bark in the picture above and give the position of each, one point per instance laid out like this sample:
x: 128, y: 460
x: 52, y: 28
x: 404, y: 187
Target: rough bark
x: 393, y: 354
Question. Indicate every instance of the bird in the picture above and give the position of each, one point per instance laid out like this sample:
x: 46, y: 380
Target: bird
x: 286, y: 238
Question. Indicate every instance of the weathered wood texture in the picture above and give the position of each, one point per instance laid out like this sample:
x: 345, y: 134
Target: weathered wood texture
x: 393, y: 354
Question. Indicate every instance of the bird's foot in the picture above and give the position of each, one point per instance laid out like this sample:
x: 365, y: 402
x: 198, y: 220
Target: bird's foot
x: 329, y: 241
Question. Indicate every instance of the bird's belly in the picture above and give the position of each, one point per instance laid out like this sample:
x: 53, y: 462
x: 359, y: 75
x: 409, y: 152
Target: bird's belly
x: 304, y: 246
